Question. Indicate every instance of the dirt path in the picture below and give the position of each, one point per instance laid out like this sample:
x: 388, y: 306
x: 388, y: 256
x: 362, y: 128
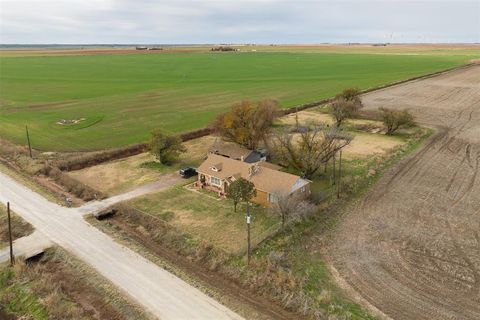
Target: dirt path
x: 165, y: 182
x: 411, y: 247
x: 158, y: 291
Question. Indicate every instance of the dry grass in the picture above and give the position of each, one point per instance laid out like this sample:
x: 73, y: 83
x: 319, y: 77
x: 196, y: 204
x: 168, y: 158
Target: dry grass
x: 20, y: 228
x: 368, y: 144
x: 206, y: 218
x: 129, y: 173
x: 55, y: 288
x: 118, y: 176
x: 316, y: 115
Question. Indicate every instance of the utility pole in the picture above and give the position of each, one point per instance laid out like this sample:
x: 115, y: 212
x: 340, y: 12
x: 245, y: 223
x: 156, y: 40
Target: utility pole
x: 248, y: 233
x: 28, y: 139
x: 12, y: 259
x: 339, y: 175
x: 334, y: 169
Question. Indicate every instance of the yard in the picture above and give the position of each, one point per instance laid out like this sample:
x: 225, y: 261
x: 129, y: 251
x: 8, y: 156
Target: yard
x: 126, y: 174
x: 368, y: 138
x: 208, y: 218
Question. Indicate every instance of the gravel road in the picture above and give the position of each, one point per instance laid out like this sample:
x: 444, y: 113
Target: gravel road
x: 411, y: 247
x: 162, y: 294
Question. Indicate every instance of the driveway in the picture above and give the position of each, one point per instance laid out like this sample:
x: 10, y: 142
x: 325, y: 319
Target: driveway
x: 160, y: 293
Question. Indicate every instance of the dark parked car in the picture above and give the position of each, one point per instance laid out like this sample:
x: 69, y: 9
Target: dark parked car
x: 188, y: 172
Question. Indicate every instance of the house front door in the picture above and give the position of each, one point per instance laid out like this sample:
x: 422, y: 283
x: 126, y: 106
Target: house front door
x: 225, y: 187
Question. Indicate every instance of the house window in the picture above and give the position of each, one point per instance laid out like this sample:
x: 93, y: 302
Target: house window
x: 272, y: 198
x: 302, y: 189
x: 215, y: 181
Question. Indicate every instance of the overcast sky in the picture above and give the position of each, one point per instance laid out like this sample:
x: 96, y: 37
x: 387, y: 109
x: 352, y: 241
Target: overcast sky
x: 237, y: 21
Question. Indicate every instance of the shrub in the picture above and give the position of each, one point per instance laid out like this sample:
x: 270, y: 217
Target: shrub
x: 346, y: 105
x: 166, y: 148
x: 394, y: 119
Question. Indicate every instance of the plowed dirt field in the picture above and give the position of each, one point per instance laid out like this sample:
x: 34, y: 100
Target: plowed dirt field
x: 411, y: 248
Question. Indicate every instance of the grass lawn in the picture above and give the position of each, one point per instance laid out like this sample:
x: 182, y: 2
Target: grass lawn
x: 119, y: 99
x: 206, y: 218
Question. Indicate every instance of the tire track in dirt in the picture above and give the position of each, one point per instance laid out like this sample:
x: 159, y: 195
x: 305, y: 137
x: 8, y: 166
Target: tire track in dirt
x: 411, y: 248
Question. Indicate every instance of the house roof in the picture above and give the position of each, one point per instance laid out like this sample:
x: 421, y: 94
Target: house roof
x: 264, y: 178
x: 253, y: 157
x: 269, y: 165
x: 229, y: 149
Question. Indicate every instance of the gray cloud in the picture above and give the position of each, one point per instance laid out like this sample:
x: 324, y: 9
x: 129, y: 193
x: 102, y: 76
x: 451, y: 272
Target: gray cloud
x: 261, y: 21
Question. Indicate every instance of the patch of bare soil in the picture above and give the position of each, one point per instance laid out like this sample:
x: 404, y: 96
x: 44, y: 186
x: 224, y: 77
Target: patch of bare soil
x: 411, y: 246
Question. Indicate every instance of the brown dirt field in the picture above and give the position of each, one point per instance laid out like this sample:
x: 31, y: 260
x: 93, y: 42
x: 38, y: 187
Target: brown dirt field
x: 411, y: 246
x: 391, y: 48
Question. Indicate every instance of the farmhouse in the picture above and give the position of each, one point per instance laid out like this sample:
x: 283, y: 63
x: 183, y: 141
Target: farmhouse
x: 217, y: 172
x: 236, y: 152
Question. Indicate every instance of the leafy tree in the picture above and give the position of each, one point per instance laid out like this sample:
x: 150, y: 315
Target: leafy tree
x: 166, y: 148
x: 241, y: 190
x: 291, y: 207
x: 311, y: 148
x: 394, y: 119
x: 346, y: 105
x: 248, y: 122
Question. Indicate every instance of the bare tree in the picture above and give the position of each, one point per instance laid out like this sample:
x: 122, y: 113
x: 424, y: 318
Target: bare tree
x: 308, y: 150
x: 291, y: 207
x: 346, y: 105
x: 342, y: 109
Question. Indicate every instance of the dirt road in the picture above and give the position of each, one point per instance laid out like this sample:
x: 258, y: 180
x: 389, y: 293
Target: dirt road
x: 411, y: 248
x: 158, y: 291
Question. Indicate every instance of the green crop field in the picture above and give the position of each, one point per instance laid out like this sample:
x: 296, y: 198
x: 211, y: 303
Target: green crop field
x: 119, y: 98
